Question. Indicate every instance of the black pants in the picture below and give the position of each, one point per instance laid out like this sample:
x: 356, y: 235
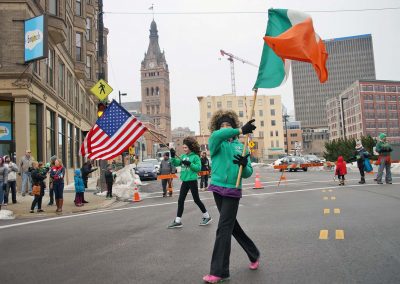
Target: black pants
x: 228, y: 226
x: 11, y: 186
x: 85, y: 181
x: 340, y: 177
x: 192, y: 185
x: 204, y: 180
x: 51, y: 194
x: 164, y: 183
x: 361, y: 169
x: 109, y: 190
x: 38, y: 201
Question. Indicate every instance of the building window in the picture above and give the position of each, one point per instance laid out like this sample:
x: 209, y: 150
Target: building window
x: 50, y: 134
x: 272, y: 112
x: 273, y: 122
x: 77, y: 148
x: 78, y: 51
x: 89, y: 29
x: 34, y: 129
x: 272, y: 144
x: 262, y: 123
x: 208, y: 104
x: 261, y: 134
x: 70, y: 88
x: 78, y: 7
x: 219, y: 104
x: 260, y: 112
x: 271, y: 101
x: 157, y: 91
x: 271, y: 134
x: 240, y: 103
x: 147, y: 91
x: 61, y: 138
x: 229, y: 104
x: 82, y: 101
x: 208, y: 114
x: 70, y: 35
x: 53, y: 7
x: 76, y: 97
x: 36, y: 67
x: 70, y: 143
x: 50, y: 68
x: 276, y: 133
x: 148, y: 109
x: 240, y: 113
x: 89, y: 66
x: 61, y: 80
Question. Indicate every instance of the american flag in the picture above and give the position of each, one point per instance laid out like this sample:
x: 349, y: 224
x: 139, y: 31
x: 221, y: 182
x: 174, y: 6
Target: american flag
x: 112, y: 134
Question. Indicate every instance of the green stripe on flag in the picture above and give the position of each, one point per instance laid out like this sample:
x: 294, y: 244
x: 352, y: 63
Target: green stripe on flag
x: 271, y: 71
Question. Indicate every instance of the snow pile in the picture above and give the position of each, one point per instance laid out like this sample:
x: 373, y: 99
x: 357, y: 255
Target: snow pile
x: 6, y: 215
x: 125, y: 183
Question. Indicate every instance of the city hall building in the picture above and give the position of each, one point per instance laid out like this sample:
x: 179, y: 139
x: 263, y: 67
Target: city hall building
x: 45, y: 105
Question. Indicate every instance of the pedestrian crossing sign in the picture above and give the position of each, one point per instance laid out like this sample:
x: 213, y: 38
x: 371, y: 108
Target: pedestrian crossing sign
x: 101, y: 89
x: 252, y: 144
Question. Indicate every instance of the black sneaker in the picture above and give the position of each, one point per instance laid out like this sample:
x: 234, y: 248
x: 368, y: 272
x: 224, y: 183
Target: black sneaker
x: 205, y: 221
x: 388, y: 182
x: 379, y: 182
x: 175, y: 224
x: 31, y: 211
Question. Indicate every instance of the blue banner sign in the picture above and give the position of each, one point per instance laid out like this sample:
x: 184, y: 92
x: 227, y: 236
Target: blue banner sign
x: 35, y: 38
x: 5, y: 131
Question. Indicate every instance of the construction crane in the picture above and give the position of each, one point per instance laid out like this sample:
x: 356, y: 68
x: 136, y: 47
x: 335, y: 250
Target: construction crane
x: 232, y: 57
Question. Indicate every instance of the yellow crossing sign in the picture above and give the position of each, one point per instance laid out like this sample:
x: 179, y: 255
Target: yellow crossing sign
x: 101, y: 89
x: 252, y: 144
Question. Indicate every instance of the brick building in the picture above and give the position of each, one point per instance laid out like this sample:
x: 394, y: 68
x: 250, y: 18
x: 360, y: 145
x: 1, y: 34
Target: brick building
x: 46, y: 104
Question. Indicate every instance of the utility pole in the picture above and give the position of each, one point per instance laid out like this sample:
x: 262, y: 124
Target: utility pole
x: 121, y: 94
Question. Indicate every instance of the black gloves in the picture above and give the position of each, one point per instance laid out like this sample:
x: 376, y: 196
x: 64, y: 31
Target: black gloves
x: 241, y: 161
x: 248, y: 127
x: 186, y: 163
x: 173, y: 152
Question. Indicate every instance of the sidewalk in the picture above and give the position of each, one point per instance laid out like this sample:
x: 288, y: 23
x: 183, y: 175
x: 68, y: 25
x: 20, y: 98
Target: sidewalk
x: 23, y: 206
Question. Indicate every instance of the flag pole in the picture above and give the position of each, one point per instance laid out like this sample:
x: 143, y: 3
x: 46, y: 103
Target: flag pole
x: 239, y: 177
x: 159, y: 140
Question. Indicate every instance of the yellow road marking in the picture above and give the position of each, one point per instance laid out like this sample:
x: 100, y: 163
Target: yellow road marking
x: 323, y: 234
x: 336, y: 211
x: 325, y: 197
x: 330, y: 190
x: 327, y: 211
x: 340, y: 234
x: 333, y: 198
x: 324, y: 190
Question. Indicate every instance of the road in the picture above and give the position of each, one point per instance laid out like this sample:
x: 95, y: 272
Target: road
x: 133, y: 245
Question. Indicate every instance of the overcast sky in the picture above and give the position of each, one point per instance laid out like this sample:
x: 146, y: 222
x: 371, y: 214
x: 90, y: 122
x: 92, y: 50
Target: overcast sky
x: 192, y: 42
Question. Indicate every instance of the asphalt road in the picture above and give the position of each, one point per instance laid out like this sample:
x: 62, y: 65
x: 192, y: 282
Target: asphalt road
x: 133, y: 245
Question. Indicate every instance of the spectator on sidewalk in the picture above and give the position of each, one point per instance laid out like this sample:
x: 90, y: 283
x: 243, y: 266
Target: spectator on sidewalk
x: 205, y: 166
x: 24, y: 165
x: 51, y: 191
x: 11, y: 183
x: 39, y: 174
x: 85, y: 171
x: 110, y: 177
x: 3, y: 179
x: 384, y: 149
x: 57, y: 172
x: 166, y: 168
x: 79, y: 188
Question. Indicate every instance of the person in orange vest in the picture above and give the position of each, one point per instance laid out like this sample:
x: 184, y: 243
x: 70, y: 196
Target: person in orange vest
x: 205, y: 166
x: 166, y: 168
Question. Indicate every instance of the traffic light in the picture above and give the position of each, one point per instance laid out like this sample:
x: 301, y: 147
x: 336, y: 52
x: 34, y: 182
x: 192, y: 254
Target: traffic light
x: 101, y: 107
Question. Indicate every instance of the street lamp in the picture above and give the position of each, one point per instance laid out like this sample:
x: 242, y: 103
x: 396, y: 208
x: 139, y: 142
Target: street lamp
x: 285, y: 117
x: 121, y: 94
x: 342, y: 112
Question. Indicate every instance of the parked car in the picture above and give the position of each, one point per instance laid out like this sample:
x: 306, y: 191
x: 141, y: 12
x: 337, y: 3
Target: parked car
x: 155, y: 162
x: 312, y: 159
x: 146, y: 170
x: 294, y: 160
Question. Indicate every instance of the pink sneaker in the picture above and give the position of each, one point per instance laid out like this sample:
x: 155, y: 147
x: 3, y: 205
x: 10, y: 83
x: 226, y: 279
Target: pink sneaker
x: 213, y: 279
x: 254, y: 265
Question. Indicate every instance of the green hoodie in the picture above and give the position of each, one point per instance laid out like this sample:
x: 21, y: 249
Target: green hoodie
x: 223, y: 171
x: 188, y: 173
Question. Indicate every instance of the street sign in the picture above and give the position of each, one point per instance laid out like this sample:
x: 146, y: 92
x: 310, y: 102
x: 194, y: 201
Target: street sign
x: 101, y: 89
x: 252, y: 144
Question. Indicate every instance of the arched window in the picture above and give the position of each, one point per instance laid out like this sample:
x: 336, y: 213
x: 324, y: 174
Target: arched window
x: 152, y: 91
x: 147, y: 91
x: 157, y: 91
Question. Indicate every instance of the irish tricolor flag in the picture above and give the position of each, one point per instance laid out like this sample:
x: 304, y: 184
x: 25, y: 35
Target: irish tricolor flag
x: 290, y: 36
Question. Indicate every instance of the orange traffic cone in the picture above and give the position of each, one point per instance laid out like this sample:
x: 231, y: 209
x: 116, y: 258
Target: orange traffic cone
x: 258, y: 184
x: 136, y: 196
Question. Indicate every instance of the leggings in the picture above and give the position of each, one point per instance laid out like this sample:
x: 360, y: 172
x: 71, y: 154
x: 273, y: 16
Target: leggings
x: 192, y: 185
x: 58, y: 188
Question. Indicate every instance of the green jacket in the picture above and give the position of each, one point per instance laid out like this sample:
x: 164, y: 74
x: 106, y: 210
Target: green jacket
x: 223, y: 171
x: 383, y: 148
x: 188, y: 173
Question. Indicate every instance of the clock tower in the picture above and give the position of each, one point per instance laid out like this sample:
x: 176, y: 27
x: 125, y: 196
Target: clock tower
x: 155, y: 85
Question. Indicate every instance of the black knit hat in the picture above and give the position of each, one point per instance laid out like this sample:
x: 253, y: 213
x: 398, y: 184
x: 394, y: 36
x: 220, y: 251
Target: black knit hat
x: 228, y: 119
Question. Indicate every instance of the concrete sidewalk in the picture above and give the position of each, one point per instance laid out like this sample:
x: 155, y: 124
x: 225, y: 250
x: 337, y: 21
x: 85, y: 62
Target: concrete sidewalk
x: 23, y: 206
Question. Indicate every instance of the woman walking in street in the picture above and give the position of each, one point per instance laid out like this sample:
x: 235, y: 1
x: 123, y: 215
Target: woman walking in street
x: 226, y: 155
x: 57, y: 173
x: 205, y: 167
x: 191, y: 165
